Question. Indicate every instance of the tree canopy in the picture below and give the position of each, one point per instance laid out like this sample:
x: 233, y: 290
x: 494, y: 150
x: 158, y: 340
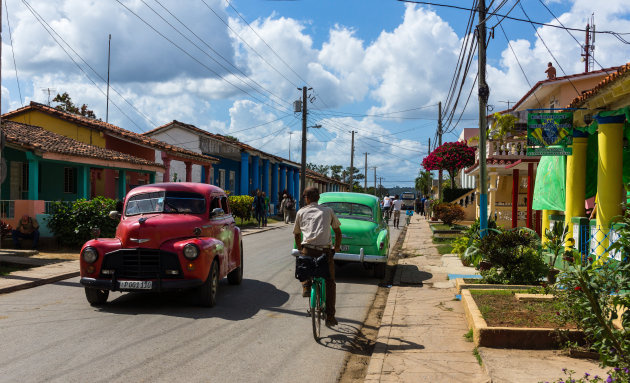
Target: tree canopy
x: 66, y: 105
x: 450, y: 156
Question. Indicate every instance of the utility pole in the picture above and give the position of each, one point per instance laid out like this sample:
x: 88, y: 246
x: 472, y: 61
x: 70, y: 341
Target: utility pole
x: 365, y: 178
x: 484, y: 93
x: 290, y: 134
x: 352, y: 162
x: 380, y: 187
x: 109, y: 50
x: 440, y: 144
x: 375, y: 180
x: 303, y: 167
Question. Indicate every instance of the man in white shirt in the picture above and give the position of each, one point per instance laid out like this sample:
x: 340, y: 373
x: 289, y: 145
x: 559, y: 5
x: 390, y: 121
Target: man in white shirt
x: 397, y: 207
x: 313, y: 238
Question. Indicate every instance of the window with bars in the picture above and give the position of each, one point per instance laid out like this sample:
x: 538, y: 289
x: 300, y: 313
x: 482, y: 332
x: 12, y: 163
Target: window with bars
x: 70, y: 180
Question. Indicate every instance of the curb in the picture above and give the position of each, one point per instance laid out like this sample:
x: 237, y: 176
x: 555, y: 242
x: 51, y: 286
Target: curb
x: 44, y: 275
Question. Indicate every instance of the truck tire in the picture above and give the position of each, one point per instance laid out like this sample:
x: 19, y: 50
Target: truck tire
x: 96, y: 297
x: 207, y: 293
x: 235, y: 277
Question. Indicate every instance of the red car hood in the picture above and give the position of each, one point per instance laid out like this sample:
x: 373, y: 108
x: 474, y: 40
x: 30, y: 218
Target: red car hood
x: 151, y: 230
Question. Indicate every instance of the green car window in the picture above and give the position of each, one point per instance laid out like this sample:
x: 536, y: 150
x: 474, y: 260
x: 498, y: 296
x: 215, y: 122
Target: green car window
x: 351, y: 210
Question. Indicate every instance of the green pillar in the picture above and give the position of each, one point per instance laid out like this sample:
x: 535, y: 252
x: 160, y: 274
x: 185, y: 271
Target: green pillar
x: 33, y: 176
x: 83, y: 182
x: 122, y: 183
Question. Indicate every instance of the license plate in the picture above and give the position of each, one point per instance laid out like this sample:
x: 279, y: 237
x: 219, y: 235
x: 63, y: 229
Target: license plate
x: 136, y: 285
x: 345, y: 247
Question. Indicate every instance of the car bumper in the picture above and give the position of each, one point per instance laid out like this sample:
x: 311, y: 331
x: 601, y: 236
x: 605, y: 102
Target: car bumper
x: 346, y: 257
x: 157, y: 285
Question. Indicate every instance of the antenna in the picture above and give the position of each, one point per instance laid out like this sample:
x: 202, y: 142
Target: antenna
x: 49, y: 90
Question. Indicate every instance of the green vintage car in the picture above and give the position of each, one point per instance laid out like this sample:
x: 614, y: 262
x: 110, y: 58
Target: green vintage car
x: 365, y: 236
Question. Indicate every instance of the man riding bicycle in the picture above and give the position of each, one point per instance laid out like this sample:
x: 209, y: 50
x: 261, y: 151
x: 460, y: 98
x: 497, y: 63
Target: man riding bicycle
x: 312, y: 238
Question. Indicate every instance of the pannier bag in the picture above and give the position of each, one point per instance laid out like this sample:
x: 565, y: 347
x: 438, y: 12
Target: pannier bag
x: 307, y: 267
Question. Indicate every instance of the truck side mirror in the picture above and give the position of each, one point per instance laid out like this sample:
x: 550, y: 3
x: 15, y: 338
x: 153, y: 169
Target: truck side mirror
x: 114, y: 215
x: 216, y: 212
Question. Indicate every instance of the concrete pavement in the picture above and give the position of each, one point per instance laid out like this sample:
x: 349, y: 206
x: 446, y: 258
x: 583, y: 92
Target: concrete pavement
x: 45, y: 270
x: 421, y: 337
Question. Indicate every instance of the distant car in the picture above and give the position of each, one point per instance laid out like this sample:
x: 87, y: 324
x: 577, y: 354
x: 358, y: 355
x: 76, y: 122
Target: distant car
x: 365, y: 236
x: 171, y: 237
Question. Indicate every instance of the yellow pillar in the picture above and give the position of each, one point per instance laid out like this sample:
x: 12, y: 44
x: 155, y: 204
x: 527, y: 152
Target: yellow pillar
x: 609, y: 177
x: 575, y: 182
x: 546, y: 225
x: 492, y: 189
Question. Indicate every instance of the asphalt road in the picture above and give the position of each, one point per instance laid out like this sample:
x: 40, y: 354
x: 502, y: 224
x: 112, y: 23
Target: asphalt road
x: 258, y: 332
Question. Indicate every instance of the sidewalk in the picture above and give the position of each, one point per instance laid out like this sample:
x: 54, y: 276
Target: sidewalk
x: 421, y: 337
x: 45, y: 268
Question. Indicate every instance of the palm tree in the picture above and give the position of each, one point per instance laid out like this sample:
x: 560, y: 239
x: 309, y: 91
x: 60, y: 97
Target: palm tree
x: 424, y: 182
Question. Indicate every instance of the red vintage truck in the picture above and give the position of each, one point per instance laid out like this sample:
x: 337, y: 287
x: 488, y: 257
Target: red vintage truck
x: 171, y: 237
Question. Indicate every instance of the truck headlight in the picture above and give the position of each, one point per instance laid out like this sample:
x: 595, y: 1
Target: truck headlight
x: 90, y: 255
x: 191, y: 251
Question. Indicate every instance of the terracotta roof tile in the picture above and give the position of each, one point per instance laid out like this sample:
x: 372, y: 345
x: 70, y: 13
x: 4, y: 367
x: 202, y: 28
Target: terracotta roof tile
x: 579, y: 101
x: 36, y: 138
x: 112, y: 130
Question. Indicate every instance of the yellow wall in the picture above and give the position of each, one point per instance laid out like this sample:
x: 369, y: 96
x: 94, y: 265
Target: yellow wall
x: 61, y: 127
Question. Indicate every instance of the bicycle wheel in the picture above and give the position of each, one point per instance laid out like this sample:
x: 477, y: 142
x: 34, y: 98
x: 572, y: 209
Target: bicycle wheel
x: 316, y: 310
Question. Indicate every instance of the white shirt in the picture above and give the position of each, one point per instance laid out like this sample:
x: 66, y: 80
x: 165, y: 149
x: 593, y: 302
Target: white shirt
x: 314, y: 222
x: 387, y: 202
x: 397, y: 204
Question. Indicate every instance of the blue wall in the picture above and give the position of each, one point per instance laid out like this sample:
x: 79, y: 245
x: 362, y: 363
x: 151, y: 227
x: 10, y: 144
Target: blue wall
x: 227, y: 165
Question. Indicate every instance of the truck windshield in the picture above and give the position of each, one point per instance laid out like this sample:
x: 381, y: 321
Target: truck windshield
x: 350, y: 210
x: 166, y: 202
x: 408, y: 196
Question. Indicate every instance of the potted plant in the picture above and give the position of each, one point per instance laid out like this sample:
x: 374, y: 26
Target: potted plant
x: 556, y: 241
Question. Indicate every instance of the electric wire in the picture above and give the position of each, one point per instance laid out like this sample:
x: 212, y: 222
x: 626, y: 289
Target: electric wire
x: 17, y: 79
x: 548, y: 50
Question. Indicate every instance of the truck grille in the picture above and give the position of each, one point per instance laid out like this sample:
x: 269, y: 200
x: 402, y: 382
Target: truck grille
x: 141, y: 264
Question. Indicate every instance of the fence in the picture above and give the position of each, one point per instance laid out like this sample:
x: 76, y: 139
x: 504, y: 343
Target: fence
x: 596, y: 242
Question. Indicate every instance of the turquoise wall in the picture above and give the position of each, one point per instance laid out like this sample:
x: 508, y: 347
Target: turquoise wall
x: 51, y: 180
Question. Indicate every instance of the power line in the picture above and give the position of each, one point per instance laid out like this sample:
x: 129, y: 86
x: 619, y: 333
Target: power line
x: 17, y: 79
x: 512, y: 18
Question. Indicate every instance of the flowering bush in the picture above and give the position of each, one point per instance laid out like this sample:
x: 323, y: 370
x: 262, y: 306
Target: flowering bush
x: 241, y: 206
x: 615, y: 375
x: 450, y: 156
x: 448, y: 212
x: 5, y: 229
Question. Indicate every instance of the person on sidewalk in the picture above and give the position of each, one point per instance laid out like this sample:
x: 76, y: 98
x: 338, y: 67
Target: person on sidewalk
x: 258, y: 207
x: 427, y: 208
x: 27, y: 228
x: 397, y: 207
x: 285, y: 208
x: 265, y: 209
x: 313, y: 238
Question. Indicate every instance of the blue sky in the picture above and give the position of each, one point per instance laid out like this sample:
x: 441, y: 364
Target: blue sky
x: 376, y: 67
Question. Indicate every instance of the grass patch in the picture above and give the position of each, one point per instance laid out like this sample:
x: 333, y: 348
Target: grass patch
x: 445, y: 245
x: 477, y: 356
x: 253, y: 223
x: 499, y: 308
x: 469, y: 335
x: 440, y: 226
x: 8, y: 268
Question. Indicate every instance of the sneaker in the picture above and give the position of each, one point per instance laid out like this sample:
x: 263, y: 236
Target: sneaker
x: 331, y: 321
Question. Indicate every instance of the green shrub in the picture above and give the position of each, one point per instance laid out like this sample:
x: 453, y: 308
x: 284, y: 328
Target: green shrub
x: 515, y: 257
x: 72, y: 222
x: 473, y: 230
x: 448, y: 212
x: 460, y: 245
x: 241, y: 206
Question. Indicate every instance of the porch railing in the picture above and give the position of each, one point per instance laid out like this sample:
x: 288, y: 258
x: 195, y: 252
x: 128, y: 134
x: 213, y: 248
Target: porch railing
x: 596, y: 242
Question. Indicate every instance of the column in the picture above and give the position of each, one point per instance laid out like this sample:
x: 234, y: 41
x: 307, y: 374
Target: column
x: 530, y: 193
x: 283, y: 177
x: 122, y: 183
x: 274, y: 185
x: 244, y: 173
x: 167, y: 168
x: 255, y: 173
x: 206, y: 174
x: 188, y: 171
x: 83, y: 182
x: 609, y: 176
x: 296, y: 186
x: 290, y: 188
x: 265, y: 178
x: 515, y: 177
x: 492, y: 193
x: 33, y: 176
x: 576, y: 181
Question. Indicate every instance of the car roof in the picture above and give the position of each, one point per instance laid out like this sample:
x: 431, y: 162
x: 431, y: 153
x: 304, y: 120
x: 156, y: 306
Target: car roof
x: 193, y: 187
x: 365, y: 199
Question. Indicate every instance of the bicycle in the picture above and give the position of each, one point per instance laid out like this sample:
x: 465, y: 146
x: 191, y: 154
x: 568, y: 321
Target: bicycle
x: 317, y: 301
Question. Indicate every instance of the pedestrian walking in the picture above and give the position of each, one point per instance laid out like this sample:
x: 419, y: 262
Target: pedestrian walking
x: 396, y: 207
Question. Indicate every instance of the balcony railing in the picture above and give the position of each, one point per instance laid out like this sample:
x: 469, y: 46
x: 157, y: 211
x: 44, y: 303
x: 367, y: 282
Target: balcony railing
x: 510, y: 148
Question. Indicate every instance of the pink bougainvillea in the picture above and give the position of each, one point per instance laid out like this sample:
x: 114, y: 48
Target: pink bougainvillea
x: 450, y: 156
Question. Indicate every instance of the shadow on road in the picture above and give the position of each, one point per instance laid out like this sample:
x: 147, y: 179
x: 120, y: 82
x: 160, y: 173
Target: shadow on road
x: 233, y: 302
x: 349, y: 338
